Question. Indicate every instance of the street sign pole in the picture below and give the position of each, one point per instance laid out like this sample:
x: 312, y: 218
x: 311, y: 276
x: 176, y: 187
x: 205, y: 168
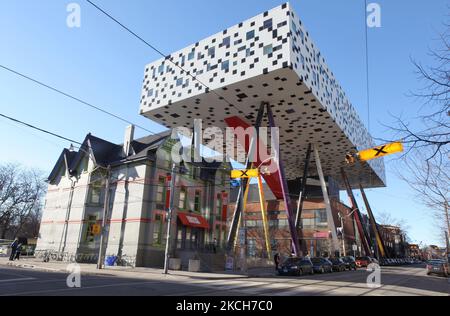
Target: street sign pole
x: 104, y: 221
x: 169, y: 218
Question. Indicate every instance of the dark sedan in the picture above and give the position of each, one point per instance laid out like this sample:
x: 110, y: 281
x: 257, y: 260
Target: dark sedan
x: 321, y: 265
x: 437, y: 266
x: 338, y: 264
x: 296, y: 266
x: 350, y: 263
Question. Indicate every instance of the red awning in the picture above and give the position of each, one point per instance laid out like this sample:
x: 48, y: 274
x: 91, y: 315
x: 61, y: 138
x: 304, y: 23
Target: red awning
x: 193, y: 220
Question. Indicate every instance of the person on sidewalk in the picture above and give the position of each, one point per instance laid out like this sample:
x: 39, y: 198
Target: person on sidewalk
x: 18, y: 251
x: 277, y: 260
x: 13, y: 246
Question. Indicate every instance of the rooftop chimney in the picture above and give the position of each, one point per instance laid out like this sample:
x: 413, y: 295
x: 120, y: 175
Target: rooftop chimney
x: 129, y: 135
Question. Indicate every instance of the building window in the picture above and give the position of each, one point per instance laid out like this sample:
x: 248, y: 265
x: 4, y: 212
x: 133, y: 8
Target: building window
x: 321, y: 218
x: 89, y: 237
x: 211, y: 51
x: 95, y: 196
x: 226, y: 41
x: 197, y: 201
x: 191, y: 55
x: 150, y: 93
x: 219, y: 207
x: 161, y: 69
x: 182, y: 199
x: 161, y: 191
x: 226, y: 65
x: 307, y: 222
x: 267, y: 24
x: 179, y: 82
x: 158, y: 230
x: 250, y: 35
x: 268, y: 50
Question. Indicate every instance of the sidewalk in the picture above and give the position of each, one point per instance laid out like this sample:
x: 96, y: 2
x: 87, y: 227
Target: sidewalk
x: 127, y: 272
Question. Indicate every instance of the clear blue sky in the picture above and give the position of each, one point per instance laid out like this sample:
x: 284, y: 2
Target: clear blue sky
x: 104, y: 65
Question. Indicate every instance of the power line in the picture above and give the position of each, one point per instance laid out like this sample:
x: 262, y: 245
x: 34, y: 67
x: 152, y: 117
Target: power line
x: 367, y: 65
x: 39, y: 129
x: 73, y: 98
x: 208, y: 89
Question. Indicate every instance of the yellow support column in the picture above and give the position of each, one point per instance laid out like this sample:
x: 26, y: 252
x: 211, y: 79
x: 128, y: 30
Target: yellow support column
x: 264, y: 216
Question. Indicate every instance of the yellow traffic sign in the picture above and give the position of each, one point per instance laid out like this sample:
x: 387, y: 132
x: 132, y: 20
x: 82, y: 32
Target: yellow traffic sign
x: 249, y: 173
x: 380, y: 151
x: 96, y: 229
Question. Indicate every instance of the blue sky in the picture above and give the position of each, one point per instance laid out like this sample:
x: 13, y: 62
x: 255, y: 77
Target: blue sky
x: 104, y: 65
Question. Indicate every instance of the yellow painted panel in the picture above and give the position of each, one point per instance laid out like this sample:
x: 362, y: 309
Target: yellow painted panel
x: 380, y: 151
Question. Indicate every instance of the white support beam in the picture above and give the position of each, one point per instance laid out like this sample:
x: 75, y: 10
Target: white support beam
x: 326, y: 198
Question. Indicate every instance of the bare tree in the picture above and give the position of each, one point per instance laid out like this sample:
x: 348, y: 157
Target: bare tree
x: 425, y: 165
x: 21, y: 193
x: 430, y: 179
x: 385, y: 218
x: 434, y: 115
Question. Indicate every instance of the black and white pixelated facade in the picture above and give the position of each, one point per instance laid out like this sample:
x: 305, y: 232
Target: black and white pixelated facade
x: 268, y: 58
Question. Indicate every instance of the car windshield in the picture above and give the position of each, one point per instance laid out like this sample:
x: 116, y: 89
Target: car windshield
x: 316, y: 260
x: 335, y: 260
x: 290, y: 260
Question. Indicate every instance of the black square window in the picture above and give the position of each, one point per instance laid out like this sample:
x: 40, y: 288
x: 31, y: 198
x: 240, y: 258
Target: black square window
x: 267, y: 24
x: 242, y: 96
x: 250, y: 35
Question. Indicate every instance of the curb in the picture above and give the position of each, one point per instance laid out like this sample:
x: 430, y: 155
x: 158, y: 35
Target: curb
x: 120, y: 273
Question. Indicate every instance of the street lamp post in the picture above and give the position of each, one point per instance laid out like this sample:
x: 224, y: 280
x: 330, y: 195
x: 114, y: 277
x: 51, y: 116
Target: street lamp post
x: 101, y: 252
x: 342, y: 233
x: 169, y: 218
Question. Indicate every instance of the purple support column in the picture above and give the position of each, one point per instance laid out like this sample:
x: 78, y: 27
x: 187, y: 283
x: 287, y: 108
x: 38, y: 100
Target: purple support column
x: 284, y: 189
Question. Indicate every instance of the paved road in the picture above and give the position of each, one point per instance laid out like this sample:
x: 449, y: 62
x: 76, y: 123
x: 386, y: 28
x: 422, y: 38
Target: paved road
x: 410, y: 280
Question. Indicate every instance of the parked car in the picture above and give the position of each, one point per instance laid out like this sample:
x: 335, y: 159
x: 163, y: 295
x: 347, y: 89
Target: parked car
x: 337, y: 264
x: 296, y: 266
x: 362, y: 262
x: 350, y: 263
x: 321, y: 265
x: 438, y: 266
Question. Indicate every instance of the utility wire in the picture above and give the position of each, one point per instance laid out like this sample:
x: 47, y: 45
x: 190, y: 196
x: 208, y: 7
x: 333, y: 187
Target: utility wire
x: 367, y: 65
x: 39, y: 129
x: 73, y: 98
x: 208, y: 89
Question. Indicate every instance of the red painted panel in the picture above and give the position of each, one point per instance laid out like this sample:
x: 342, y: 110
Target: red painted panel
x: 273, y: 179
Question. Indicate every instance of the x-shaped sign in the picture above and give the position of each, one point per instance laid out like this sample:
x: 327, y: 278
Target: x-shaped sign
x: 380, y: 150
x: 248, y: 173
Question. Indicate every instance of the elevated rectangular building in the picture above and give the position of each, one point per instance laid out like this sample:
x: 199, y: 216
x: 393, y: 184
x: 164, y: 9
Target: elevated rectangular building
x: 268, y: 58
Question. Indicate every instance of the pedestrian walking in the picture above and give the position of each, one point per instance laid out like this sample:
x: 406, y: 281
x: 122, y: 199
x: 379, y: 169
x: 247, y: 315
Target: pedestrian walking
x: 13, y: 246
x: 18, y: 251
x: 277, y: 260
x: 215, y: 244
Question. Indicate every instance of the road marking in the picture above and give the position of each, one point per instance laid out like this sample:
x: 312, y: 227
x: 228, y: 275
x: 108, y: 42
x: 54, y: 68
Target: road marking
x: 17, y: 280
x: 79, y: 289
